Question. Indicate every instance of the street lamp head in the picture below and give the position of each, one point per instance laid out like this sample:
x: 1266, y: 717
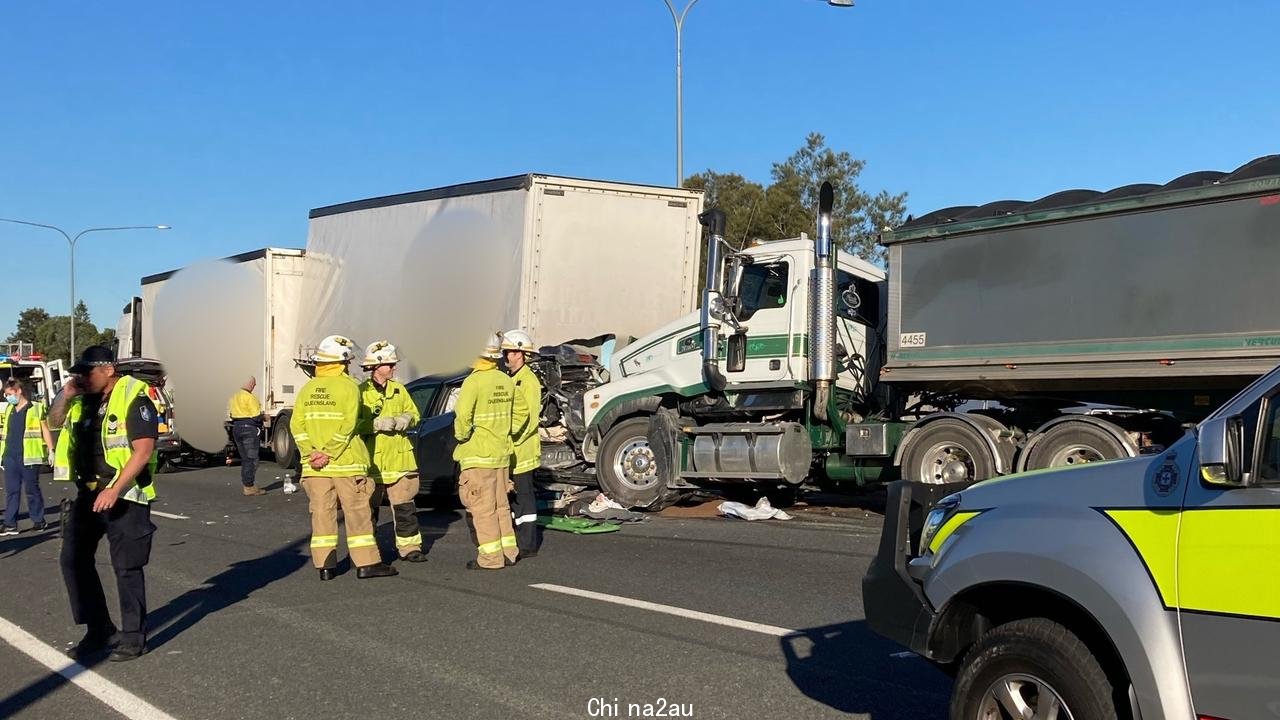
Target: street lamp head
x: 164, y: 227
x: 840, y: 3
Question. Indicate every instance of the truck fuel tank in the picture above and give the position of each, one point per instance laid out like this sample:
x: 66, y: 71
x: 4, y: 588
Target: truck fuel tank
x: 750, y: 451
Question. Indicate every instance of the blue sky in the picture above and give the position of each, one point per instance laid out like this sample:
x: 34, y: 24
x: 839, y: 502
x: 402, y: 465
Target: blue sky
x: 231, y: 120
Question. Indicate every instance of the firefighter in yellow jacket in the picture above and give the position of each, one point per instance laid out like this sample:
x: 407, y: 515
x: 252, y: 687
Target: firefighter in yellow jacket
x: 517, y: 348
x: 482, y: 426
x: 335, y: 463
x: 386, y: 412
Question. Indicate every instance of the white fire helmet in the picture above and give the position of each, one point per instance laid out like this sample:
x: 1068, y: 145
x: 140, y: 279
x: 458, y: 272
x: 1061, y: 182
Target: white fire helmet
x: 518, y: 340
x: 380, y: 353
x: 334, y: 349
x: 492, y: 346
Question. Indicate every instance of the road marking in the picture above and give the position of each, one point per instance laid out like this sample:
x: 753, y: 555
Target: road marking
x: 169, y: 515
x: 670, y: 610
x: 114, y: 696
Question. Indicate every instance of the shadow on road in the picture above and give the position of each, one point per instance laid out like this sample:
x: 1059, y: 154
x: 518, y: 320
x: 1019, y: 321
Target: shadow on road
x: 12, y: 545
x: 851, y: 669
x: 223, y: 590
x: 19, y: 700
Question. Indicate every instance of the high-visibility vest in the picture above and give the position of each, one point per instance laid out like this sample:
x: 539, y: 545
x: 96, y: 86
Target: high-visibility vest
x: 115, y: 439
x: 390, y: 453
x: 528, y: 446
x: 325, y: 414
x: 33, y: 447
x: 482, y: 425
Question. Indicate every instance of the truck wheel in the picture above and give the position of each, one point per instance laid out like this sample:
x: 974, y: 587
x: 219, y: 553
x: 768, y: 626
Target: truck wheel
x: 1074, y: 443
x: 282, y: 444
x: 626, y: 467
x: 1031, y: 668
x: 948, y: 451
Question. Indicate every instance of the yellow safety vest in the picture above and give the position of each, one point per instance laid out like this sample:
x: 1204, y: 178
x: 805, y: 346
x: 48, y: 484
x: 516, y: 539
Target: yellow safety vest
x: 391, y: 453
x: 528, y: 446
x: 324, y: 418
x: 483, y: 420
x: 115, y: 440
x: 33, y: 448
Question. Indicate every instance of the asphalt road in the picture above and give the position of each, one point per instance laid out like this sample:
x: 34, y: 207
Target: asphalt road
x: 241, y: 627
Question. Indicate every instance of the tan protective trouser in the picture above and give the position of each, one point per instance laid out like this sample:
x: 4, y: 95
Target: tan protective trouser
x: 404, y: 514
x: 484, y: 494
x: 324, y: 494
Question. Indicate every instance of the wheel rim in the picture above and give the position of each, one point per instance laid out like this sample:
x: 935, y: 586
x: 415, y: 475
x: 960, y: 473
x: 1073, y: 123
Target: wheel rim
x: 1022, y: 697
x: 634, y: 463
x: 1075, y: 454
x: 946, y: 462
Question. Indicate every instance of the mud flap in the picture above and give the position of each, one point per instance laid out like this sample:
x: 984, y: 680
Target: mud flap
x: 664, y: 434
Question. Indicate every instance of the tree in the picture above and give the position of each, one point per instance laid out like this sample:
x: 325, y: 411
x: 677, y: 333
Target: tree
x: 28, y: 321
x: 789, y: 205
x: 52, y: 336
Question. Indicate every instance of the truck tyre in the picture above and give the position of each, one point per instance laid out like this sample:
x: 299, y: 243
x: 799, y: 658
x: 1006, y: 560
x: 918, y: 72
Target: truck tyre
x: 1074, y: 443
x: 948, y: 451
x: 1024, y: 668
x: 282, y: 444
x: 626, y: 469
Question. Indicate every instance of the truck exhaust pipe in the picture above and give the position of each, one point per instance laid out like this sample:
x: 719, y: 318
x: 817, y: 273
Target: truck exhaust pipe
x: 712, y: 300
x: 822, y: 308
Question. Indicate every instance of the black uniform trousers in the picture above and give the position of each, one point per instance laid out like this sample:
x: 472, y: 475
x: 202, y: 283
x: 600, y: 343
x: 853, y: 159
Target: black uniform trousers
x: 524, y: 510
x: 128, y: 528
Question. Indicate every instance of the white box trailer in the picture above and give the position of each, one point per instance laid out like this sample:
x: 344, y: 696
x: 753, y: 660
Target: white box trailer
x: 280, y: 272
x: 561, y: 258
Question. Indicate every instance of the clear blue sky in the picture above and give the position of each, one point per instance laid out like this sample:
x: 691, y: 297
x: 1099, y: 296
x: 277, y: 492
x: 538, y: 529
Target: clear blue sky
x: 231, y: 120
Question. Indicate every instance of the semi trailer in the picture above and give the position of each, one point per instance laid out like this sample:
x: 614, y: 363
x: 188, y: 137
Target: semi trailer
x: 1010, y: 336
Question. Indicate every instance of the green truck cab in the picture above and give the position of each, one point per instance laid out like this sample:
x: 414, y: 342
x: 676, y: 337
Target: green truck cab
x: 1145, y: 588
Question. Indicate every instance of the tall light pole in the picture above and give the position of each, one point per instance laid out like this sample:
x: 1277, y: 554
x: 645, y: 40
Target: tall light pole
x: 71, y: 244
x: 678, y: 19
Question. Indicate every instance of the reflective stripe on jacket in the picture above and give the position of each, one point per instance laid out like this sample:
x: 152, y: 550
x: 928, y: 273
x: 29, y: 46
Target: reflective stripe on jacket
x: 33, y: 447
x: 324, y: 418
x: 528, y: 403
x: 116, y: 448
x: 390, y: 452
x: 484, y: 416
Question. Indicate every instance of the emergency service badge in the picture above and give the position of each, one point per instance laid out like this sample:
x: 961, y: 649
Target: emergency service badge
x: 145, y: 412
x: 1166, y: 478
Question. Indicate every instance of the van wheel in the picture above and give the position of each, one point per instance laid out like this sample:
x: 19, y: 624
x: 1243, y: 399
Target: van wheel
x: 282, y: 444
x: 627, y: 469
x: 948, y: 451
x: 1032, y: 668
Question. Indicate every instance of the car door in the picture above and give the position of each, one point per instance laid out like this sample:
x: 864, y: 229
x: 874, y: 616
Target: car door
x: 434, y: 442
x: 1228, y: 576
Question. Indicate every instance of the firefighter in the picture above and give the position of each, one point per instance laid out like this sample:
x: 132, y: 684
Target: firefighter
x: 335, y: 463
x: 482, y: 426
x: 517, y: 348
x: 386, y: 412
x: 107, y: 448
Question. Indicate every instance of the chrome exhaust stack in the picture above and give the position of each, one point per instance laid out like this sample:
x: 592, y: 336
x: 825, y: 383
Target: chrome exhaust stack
x: 822, y: 308
x: 712, y: 299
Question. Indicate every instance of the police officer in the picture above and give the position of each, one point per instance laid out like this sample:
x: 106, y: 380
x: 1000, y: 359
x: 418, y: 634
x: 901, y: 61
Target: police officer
x: 335, y: 463
x: 482, y: 426
x: 107, y: 447
x: 386, y: 413
x: 24, y: 446
x: 517, y: 348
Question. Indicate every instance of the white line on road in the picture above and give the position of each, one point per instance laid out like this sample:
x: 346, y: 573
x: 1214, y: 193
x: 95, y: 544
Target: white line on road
x: 669, y: 610
x: 169, y: 515
x: 114, y: 696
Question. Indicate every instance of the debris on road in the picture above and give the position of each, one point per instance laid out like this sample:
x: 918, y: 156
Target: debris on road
x: 762, y: 511
x: 577, y: 526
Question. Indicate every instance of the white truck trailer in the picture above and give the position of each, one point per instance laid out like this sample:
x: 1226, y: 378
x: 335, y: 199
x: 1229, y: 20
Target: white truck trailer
x: 433, y: 271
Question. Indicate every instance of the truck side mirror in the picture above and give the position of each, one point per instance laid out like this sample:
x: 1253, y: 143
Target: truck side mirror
x: 1221, y: 450
x: 736, y: 353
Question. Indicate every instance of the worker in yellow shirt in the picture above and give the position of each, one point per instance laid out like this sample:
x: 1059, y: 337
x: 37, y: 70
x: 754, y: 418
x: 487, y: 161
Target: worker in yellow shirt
x: 386, y: 414
x: 246, y: 433
x: 482, y: 427
x: 335, y: 463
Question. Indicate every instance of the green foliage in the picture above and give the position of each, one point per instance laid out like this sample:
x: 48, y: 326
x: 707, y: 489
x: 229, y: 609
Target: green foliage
x: 789, y: 205
x: 51, y: 334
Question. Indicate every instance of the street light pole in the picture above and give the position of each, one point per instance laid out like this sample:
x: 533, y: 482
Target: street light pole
x: 71, y: 245
x: 678, y: 19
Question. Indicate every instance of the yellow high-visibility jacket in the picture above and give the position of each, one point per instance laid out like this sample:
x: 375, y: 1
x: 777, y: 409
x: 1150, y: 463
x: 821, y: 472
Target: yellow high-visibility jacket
x: 391, y: 452
x: 528, y: 403
x: 324, y: 418
x: 484, y: 418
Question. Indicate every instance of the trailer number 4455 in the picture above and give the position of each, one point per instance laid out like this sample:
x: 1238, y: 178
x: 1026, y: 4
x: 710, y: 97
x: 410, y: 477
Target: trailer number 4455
x: 912, y: 340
